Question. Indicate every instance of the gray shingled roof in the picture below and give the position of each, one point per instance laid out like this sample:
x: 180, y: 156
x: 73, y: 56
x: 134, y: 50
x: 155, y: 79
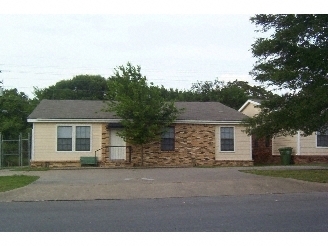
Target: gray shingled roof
x: 87, y: 109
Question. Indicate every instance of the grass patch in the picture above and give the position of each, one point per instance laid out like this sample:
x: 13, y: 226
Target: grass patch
x: 298, y: 165
x: 15, y: 181
x: 311, y: 175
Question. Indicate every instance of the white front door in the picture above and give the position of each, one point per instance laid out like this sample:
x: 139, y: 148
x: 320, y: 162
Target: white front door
x: 117, y: 146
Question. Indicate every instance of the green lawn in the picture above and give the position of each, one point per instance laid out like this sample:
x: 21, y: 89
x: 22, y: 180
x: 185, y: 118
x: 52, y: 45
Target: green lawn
x: 15, y: 181
x: 311, y: 175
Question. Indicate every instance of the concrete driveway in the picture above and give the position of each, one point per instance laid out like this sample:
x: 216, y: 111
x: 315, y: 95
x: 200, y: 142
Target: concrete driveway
x: 91, y: 184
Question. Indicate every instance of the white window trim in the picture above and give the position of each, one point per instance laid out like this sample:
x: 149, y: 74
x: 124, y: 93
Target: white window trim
x: 316, y: 142
x: 74, y: 138
x: 234, y: 140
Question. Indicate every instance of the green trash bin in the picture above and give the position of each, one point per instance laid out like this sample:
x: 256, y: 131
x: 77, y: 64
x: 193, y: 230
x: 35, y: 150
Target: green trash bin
x: 285, y: 155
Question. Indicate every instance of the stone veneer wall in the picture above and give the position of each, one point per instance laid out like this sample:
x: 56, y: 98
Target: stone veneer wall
x: 301, y: 159
x: 194, y: 146
x: 309, y: 159
x: 56, y: 164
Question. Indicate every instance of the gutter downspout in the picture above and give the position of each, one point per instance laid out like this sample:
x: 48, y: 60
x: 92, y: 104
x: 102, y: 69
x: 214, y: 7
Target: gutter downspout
x: 251, y: 148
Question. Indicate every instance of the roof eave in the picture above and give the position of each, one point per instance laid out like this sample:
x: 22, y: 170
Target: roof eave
x: 206, y: 122
x: 40, y: 120
x: 248, y: 102
x: 209, y: 122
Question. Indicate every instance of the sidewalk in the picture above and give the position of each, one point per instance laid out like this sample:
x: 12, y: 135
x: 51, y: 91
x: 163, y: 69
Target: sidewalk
x: 91, y: 184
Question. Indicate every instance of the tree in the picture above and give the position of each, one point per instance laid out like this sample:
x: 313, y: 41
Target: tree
x: 14, y: 108
x: 144, y: 113
x: 255, y: 92
x: 294, y: 57
x: 233, y: 94
x: 82, y: 87
x: 207, y: 91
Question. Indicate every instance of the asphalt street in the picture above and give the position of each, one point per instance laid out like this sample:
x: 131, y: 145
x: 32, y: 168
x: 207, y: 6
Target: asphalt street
x: 297, y: 212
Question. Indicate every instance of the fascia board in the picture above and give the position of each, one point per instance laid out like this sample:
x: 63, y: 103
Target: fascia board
x: 207, y: 122
x: 73, y: 120
x: 246, y: 103
x: 118, y: 120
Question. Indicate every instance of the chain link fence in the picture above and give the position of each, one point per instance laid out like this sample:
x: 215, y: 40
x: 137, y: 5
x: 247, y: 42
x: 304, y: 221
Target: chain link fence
x: 15, y: 152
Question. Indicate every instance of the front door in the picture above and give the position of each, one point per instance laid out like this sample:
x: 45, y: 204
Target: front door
x: 117, y: 146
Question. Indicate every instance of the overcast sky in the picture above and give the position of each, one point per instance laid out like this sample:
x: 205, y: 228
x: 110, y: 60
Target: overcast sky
x: 174, y: 49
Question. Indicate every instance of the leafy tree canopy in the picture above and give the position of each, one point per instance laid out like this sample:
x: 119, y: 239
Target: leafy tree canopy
x: 233, y: 94
x: 82, y: 87
x: 294, y: 57
x: 14, y: 108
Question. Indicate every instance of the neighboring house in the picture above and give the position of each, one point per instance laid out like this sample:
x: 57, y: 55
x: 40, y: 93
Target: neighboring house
x: 205, y: 134
x: 313, y: 148
x: 250, y: 107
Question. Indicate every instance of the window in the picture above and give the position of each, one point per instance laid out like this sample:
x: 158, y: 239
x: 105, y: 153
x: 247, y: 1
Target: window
x: 227, y: 138
x: 82, y: 142
x: 168, y: 139
x: 70, y: 138
x: 64, y: 138
x: 322, y: 139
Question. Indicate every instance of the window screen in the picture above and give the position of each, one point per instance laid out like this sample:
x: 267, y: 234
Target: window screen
x: 168, y: 139
x: 64, y: 138
x: 227, y: 139
x: 82, y: 141
x: 322, y: 139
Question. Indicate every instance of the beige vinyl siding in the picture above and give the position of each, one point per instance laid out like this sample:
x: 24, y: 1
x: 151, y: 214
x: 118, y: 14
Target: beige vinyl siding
x: 242, y: 144
x: 250, y: 110
x: 45, y: 142
x: 308, y: 146
x: 287, y: 141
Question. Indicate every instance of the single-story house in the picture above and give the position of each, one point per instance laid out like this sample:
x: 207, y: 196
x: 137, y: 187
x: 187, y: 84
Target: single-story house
x: 204, y: 134
x: 310, y: 149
